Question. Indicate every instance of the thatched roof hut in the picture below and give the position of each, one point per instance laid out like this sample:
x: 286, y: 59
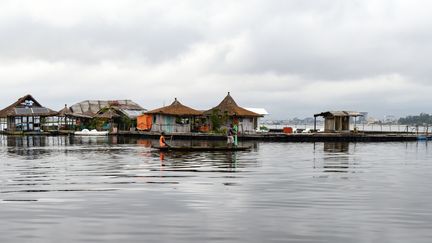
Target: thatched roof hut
x: 176, y: 109
x: 26, y: 106
x: 229, y: 107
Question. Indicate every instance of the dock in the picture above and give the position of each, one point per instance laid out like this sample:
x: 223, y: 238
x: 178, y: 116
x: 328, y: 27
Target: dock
x: 264, y: 137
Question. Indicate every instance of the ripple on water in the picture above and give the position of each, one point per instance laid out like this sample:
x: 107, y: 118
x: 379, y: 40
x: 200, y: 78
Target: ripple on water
x: 116, y: 188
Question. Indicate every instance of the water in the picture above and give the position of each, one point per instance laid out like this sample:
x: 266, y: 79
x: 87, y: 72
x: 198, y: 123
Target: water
x: 60, y: 189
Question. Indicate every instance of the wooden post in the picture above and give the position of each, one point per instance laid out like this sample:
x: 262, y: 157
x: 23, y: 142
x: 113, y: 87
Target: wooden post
x: 315, y: 124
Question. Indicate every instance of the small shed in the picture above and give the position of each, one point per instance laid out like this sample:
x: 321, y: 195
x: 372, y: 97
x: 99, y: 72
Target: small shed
x: 26, y: 114
x: 337, y: 121
x: 229, y: 111
x: 173, y: 118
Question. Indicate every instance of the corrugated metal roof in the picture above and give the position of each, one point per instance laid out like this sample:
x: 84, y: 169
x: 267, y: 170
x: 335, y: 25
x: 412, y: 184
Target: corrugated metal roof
x: 92, y: 107
x: 339, y: 113
x: 260, y: 111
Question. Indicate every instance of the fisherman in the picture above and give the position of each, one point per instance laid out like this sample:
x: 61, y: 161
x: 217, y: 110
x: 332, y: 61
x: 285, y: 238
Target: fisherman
x: 162, y: 142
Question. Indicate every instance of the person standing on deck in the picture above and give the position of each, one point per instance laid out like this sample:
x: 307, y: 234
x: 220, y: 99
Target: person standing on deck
x: 235, y: 131
x: 162, y: 142
x: 230, y: 134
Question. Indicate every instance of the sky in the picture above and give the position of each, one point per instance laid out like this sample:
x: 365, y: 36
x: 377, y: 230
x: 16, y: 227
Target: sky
x: 295, y: 58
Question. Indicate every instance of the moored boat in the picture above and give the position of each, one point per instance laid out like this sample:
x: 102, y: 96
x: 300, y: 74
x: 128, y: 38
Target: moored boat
x: 196, y: 148
x: 94, y: 132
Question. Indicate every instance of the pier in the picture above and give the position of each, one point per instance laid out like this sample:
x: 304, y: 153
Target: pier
x: 265, y: 137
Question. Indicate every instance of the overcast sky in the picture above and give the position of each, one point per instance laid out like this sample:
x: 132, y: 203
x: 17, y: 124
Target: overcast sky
x: 291, y: 57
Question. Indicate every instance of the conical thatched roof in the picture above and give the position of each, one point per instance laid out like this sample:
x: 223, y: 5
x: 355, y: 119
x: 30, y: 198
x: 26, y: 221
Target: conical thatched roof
x: 229, y: 106
x: 176, y: 109
x: 65, y: 112
x: 26, y: 106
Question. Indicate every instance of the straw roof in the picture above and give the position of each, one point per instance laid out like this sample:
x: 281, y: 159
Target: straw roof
x: 176, y: 109
x: 27, y: 106
x: 108, y: 114
x: 230, y: 107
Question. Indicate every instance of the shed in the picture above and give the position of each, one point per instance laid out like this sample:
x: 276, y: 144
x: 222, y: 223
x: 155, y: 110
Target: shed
x: 337, y: 121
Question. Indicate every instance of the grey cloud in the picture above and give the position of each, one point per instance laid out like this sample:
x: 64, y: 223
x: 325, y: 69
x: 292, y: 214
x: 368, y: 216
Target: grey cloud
x: 95, y: 41
x: 286, y: 56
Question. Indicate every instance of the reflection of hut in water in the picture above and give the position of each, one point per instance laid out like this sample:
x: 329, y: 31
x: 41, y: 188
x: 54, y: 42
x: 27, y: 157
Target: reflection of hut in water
x: 336, y: 147
x: 173, y: 118
x: 337, y: 121
x: 336, y: 158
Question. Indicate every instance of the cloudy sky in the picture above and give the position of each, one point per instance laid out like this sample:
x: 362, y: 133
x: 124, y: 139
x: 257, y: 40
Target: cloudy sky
x: 292, y: 57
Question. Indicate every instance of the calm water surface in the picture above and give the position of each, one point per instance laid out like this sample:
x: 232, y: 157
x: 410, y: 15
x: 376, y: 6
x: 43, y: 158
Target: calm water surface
x: 61, y: 189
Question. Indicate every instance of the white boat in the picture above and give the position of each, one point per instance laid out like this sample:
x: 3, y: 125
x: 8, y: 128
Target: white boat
x: 94, y: 132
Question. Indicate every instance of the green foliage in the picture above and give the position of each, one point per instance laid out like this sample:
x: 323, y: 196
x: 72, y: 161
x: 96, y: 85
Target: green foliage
x: 421, y: 119
x: 215, y: 120
x: 263, y: 128
x: 96, y: 123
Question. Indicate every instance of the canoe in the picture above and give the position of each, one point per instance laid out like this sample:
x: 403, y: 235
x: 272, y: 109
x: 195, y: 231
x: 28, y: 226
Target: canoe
x: 94, y: 132
x: 195, y: 148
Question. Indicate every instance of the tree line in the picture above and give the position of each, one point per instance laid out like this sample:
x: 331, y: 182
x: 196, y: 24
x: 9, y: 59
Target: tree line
x: 421, y: 119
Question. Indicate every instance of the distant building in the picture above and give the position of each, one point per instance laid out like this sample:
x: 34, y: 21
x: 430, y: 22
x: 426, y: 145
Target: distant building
x: 337, y: 121
x: 390, y: 119
x: 26, y: 114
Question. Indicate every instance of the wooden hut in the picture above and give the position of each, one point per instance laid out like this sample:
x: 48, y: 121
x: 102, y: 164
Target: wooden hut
x: 68, y: 120
x: 228, y: 112
x: 173, y: 118
x: 337, y: 121
x: 26, y: 114
x: 108, y: 114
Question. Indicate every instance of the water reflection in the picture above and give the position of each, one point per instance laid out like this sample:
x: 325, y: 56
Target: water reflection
x: 121, y: 184
x: 336, y: 157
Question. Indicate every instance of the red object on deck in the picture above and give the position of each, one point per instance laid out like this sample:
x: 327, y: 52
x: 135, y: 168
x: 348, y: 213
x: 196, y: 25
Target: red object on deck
x: 287, y: 130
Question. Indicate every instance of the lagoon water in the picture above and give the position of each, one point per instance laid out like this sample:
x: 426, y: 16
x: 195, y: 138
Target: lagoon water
x: 113, y: 189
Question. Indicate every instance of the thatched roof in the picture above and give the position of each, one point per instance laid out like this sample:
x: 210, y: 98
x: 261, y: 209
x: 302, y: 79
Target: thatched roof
x: 65, y: 112
x: 176, y: 109
x: 90, y: 108
x: 108, y: 114
x: 27, y: 106
x: 229, y: 106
